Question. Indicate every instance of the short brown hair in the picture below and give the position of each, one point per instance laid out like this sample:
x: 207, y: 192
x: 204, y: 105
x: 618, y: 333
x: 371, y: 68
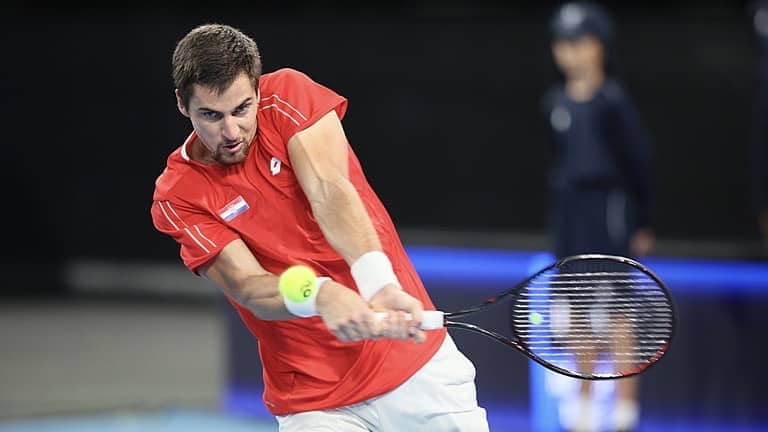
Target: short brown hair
x: 213, y: 55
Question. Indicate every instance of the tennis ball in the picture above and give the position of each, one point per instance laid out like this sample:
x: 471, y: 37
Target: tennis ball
x: 297, y: 283
x: 535, y: 318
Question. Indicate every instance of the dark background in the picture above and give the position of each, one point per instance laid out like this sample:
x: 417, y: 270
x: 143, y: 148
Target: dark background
x: 443, y: 112
x: 444, y: 115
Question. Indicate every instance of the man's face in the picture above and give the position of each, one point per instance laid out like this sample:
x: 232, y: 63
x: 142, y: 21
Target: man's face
x: 225, y: 123
x: 578, y: 57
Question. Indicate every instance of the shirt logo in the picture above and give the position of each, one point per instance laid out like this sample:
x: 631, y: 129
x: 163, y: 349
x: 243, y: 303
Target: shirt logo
x: 234, y: 209
x: 274, y: 166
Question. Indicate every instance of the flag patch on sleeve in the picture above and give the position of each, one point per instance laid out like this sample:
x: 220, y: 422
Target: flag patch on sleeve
x: 234, y: 209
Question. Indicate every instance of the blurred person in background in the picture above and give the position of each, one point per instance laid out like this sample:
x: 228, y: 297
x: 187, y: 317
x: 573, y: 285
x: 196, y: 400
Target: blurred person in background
x: 267, y: 180
x: 601, y: 178
x: 759, y: 146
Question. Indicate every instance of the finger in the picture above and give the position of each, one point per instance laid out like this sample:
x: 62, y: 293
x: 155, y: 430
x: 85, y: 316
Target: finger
x: 383, y: 326
x: 340, y: 334
x: 400, y: 325
x: 371, y: 325
x: 388, y: 323
x: 419, y: 336
x: 417, y: 312
x: 368, y: 324
x: 337, y: 330
x: 391, y: 322
x: 351, y: 333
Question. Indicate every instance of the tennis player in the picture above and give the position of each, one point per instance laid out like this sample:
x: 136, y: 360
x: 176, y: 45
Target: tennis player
x: 267, y: 180
x: 601, y: 180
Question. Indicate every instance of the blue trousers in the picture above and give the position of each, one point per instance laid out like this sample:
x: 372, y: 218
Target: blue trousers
x: 592, y: 221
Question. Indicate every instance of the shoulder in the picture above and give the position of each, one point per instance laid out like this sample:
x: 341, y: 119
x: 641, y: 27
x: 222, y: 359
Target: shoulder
x: 292, y: 101
x: 614, y: 91
x: 179, y: 181
x: 285, y: 80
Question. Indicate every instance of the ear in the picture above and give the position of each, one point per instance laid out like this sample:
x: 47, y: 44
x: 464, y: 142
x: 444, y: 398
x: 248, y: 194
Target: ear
x: 180, y: 104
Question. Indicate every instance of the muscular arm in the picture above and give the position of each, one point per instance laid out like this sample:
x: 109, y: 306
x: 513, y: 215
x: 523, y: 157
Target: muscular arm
x: 237, y: 272
x: 319, y: 157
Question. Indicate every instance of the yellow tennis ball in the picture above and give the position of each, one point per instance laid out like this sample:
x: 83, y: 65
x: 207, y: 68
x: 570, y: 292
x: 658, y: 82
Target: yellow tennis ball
x: 297, y: 283
x: 535, y: 318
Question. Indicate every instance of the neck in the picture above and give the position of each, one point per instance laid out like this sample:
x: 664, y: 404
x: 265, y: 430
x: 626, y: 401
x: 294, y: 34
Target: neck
x: 199, y: 153
x: 583, y: 87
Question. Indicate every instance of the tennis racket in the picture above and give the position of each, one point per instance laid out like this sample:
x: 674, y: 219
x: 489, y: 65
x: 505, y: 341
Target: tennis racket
x: 586, y: 316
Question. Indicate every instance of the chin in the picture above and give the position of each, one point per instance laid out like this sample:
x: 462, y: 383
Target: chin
x: 225, y: 159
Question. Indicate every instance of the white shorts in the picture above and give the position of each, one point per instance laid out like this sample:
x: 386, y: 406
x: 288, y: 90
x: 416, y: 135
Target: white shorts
x: 440, y: 397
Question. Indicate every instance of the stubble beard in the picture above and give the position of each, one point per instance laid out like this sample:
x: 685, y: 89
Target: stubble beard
x: 221, y: 156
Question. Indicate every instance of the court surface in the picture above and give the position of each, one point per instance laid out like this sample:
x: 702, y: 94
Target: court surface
x: 130, y: 365
x: 165, y: 421
x: 185, y: 420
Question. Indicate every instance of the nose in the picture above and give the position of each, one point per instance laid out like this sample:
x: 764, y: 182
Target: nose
x: 229, y: 129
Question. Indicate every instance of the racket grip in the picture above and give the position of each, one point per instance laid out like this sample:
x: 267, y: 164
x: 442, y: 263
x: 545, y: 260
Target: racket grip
x: 433, y: 320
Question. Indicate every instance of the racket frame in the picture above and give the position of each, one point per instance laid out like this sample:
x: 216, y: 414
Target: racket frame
x: 514, y: 343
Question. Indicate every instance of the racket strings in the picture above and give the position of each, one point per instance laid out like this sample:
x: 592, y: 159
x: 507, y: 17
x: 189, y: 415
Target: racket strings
x: 595, y: 317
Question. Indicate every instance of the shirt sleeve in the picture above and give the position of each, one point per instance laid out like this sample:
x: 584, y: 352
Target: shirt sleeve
x: 635, y: 152
x: 200, y: 236
x: 297, y: 102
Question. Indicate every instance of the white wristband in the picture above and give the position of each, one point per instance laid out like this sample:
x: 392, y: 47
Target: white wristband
x: 308, y: 307
x: 372, y: 272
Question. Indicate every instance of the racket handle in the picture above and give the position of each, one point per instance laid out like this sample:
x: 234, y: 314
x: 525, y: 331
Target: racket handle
x: 433, y: 320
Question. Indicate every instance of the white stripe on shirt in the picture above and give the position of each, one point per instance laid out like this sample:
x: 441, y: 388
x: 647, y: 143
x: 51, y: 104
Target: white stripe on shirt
x: 186, y: 227
x: 203, y: 236
x: 274, y: 95
x: 166, y: 215
x: 196, y: 240
x: 168, y: 203
x: 281, y: 111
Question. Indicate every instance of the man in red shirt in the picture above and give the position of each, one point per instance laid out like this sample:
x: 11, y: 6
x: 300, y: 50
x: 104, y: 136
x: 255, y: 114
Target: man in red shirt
x: 267, y: 180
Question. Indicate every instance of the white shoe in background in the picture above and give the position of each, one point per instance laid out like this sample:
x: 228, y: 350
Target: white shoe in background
x: 626, y: 414
x: 579, y: 414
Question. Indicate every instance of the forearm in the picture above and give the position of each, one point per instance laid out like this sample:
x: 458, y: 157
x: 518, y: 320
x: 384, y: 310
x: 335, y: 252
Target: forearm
x: 261, y: 296
x: 320, y: 160
x: 257, y: 293
x: 342, y: 217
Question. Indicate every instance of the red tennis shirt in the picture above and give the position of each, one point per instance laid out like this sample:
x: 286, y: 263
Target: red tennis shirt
x: 205, y: 207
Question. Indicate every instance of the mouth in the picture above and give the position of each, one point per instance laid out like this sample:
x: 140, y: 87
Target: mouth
x: 234, y: 147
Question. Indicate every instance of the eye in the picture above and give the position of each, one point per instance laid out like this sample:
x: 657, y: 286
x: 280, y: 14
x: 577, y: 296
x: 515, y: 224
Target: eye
x: 210, y: 115
x: 242, y: 109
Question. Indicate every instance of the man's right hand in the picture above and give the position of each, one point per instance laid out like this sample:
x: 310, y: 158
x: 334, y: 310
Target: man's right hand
x: 351, y: 319
x: 397, y: 303
x: 345, y: 313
